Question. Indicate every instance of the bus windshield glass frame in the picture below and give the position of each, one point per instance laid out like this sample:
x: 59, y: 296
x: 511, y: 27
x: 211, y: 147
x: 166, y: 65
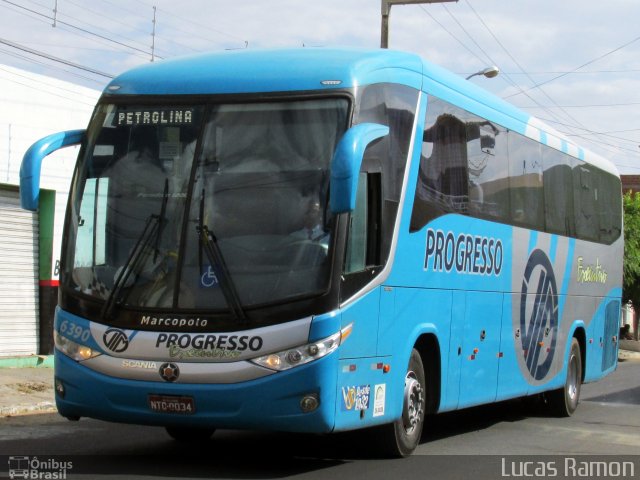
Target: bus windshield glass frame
x: 161, y: 186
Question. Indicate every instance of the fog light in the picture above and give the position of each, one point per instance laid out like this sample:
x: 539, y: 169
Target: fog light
x: 309, y: 403
x: 59, y: 386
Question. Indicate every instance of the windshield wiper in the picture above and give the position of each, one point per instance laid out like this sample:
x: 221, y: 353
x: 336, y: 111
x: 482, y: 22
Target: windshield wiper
x: 138, y: 254
x: 151, y: 231
x: 208, y: 241
x: 161, y: 220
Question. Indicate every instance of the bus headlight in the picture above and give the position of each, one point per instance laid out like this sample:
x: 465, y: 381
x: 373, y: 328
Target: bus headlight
x: 72, y: 349
x: 296, y: 356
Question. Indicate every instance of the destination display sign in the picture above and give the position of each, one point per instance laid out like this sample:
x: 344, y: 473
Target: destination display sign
x: 154, y: 116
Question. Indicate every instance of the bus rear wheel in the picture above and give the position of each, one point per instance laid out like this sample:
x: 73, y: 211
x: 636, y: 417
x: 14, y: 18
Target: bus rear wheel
x: 400, y: 438
x: 190, y: 434
x: 564, y: 401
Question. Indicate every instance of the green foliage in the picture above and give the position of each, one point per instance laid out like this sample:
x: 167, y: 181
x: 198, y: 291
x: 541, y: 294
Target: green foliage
x: 631, y: 268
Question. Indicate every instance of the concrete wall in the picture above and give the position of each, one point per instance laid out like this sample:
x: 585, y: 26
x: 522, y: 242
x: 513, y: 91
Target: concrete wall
x: 33, y: 106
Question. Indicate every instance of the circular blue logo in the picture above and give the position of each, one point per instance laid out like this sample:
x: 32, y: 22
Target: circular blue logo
x: 538, y: 314
x: 115, y: 340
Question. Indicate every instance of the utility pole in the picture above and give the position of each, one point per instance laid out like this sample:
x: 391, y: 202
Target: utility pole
x: 153, y: 35
x: 55, y: 14
x: 386, y: 10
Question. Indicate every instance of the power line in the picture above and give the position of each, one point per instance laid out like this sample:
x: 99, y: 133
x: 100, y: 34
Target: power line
x: 507, y: 77
x: 55, y: 67
x: 585, y: 137
x: 46, y: 19
x: 628, y: 104
x: 58, y: 87
x: 452, y: 35
x: 206, y: 27
x: 538, y: 85
x: 84, y: 30
x: 55, y: 59
x: 515, y: 61
x: 588, y: 72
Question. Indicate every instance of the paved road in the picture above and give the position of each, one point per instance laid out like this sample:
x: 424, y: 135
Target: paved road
x: 607, y: 422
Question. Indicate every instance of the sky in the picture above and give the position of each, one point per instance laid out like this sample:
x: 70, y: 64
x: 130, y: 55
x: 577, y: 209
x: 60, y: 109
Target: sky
x: 573, y: 63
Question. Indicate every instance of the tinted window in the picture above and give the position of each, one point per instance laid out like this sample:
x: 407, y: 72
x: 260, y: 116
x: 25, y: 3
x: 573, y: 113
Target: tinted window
x: 394, y: 106
x: 525, y: 182
x: 443, y: 182
x: 474, y: 167
x: 488, y: 166
x: 558, y: 192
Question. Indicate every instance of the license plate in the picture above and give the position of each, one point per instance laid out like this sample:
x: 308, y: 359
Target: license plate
x: 172, y: 404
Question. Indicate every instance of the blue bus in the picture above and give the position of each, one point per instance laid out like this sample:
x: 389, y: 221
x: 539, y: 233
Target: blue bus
x: 322, y: 240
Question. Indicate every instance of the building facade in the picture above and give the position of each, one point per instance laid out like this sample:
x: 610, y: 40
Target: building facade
x: 33, y: 106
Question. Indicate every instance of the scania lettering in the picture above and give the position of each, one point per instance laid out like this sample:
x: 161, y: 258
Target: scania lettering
x: 322, y: 240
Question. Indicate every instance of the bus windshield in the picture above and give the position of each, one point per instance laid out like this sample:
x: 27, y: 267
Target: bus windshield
x: 194, y: 207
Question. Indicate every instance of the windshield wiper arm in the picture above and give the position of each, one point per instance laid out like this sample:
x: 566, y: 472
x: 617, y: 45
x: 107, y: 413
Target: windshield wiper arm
x: 137, y: 254
x: 208, y: 241
x: 212, y: 250
x: 161, y: 220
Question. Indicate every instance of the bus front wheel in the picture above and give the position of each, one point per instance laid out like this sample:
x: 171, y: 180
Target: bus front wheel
x: 400, y: 438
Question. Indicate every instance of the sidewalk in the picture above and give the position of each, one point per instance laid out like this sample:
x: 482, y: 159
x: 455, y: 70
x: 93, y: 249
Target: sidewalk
x: 25, y: 390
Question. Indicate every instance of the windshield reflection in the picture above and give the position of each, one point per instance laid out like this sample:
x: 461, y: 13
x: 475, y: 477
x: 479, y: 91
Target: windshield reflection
x: 256, y: 175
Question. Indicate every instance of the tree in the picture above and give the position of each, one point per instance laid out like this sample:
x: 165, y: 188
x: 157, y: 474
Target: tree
x: 631, y: 266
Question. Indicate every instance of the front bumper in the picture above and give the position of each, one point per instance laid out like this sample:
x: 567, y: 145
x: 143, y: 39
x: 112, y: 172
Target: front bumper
x: 270, y: 403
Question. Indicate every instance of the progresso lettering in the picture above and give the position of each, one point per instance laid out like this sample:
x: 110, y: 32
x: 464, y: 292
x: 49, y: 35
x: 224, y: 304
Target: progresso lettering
x: 238, y: 343
x: 464, y: 253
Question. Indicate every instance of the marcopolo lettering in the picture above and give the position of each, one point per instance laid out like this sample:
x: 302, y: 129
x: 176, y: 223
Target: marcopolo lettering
x: 173, y: 322
x: 155, y: 117
x: 463, y: 253
x: 238, y: 343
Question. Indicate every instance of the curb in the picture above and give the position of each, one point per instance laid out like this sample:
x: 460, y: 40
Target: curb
x: 628, y: 355
x: 31, y: 361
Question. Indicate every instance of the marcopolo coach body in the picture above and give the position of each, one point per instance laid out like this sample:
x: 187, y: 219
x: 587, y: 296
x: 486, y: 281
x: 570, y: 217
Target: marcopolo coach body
x: 324, y: 240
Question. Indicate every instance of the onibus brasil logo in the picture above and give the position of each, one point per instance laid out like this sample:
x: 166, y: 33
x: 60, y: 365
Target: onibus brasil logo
x: 34, y: 468
x: 538, y: 314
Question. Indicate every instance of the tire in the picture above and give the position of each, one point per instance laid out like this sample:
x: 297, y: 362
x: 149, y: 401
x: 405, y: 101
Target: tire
x: 190, y: 434
x: 564, y: 401
x: 400, y: 438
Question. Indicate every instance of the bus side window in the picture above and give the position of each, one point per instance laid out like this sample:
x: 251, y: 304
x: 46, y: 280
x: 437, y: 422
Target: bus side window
x: 586, y: 201
x: 443, y: 179
x: 525, y: 182
x: 363, y: 255
x: 558, y: 192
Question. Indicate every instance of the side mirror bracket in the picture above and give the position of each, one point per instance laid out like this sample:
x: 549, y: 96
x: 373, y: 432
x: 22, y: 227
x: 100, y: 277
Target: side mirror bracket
x: 32, y: 164
x: 346, y: 163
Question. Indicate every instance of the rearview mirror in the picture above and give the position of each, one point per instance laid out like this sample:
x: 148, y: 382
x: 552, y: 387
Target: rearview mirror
x: 32, y: 163
x: 346, y: 163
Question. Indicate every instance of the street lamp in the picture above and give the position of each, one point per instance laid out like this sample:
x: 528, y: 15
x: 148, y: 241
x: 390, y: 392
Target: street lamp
x: 386, y: 10
x: 488, y: 72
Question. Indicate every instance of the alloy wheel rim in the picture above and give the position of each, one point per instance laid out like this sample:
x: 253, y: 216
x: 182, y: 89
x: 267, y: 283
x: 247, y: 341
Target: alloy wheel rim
x: 413, y: 403
x: 572, y: 379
